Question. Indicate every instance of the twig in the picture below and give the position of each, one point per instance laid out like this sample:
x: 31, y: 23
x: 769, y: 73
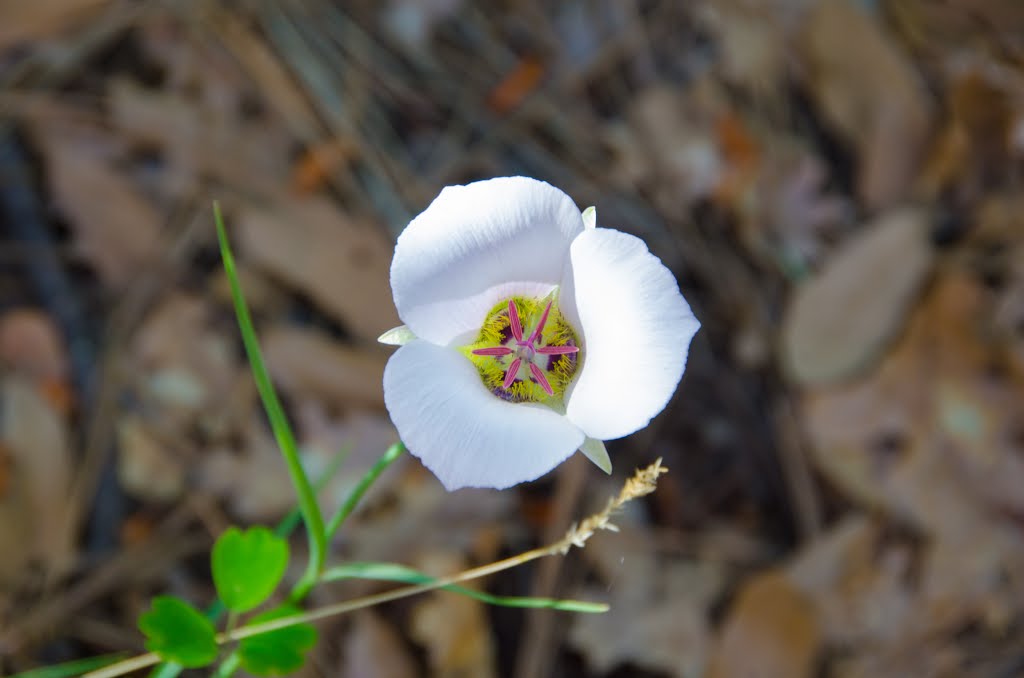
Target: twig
x: 795, y: 468
x: 642, y: 483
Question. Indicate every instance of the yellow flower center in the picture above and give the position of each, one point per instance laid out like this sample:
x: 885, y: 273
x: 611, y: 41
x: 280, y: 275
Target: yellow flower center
x: 531, y: 361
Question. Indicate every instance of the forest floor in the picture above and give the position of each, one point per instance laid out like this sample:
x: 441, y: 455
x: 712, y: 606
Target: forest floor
x: 836, y: 185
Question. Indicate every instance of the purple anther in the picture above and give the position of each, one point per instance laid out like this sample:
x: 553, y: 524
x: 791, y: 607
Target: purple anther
x: 513, y: 318
x: 513, y: 370
x: 492, y: 350
x: 556, y: 350
x: 538, y: 374
x: 540, y: 326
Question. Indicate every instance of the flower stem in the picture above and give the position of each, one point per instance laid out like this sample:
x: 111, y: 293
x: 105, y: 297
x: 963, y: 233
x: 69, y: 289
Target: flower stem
x: 275, y: 413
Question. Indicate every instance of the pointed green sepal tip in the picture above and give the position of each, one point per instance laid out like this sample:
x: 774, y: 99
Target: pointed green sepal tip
x: 596, y: 452
x: 590, y: 217
x: 398, y: 336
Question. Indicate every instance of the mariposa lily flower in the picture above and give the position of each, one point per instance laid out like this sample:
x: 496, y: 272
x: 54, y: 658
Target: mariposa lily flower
x: 529, y: 334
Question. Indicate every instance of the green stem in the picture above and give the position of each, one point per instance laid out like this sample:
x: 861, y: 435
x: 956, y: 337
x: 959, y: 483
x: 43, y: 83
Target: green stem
x: 305, y: 585
x: 354, y: 497
x: 275, y: 413
x: 407, y: 575
x: 228, y: 666
x: 76, y: 667
x: 232, y: 621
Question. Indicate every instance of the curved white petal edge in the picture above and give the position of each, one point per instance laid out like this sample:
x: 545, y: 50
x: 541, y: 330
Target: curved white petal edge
x: 460, y: 431
x: 479, y: 244
x: 637, y: 330
x: 476, y: 237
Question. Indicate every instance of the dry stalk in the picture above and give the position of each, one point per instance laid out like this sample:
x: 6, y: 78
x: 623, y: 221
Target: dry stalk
x: 643, y: 482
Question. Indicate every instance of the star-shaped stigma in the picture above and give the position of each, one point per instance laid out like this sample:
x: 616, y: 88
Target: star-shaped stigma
x: 526, y: 351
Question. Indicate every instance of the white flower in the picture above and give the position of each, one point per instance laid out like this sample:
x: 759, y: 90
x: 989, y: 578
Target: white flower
x: 529, y: 334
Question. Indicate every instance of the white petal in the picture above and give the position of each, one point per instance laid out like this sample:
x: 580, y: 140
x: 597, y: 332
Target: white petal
x: 636, y: 330
x: 473, y: 238
x: 462, y: 432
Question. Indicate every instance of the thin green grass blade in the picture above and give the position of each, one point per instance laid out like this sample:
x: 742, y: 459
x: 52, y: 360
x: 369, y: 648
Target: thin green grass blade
x: 407, y: 575
x: 72, y: 668
x: 275, y: 413
x: 392, y: 453
x: 291, y: 520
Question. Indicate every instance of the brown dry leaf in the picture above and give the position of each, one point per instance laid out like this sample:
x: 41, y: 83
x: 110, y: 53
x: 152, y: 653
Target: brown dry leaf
x: 31, y: 345
x: 771, y: 632
x: 373, y: 649
x: 956, y: 26
x: 753, y: 43
x: 185, y: 364
x: 22, y: 22
x: 1008, y: 322
x: 145, y: 467
x: 838, y: 322
x: 670, y: 143
x: 877, y: 437
x: 199, y: 136
x: 423, y: 512
x: 932, y: 437
x: 862, y: 587
x: 275, y: 81
x: 985, y: 101
x: 319, y: 164
x: 869, y: 605
x: 254, y: 481
x: 342, y: 264
x: 453, y: 628
x: 659, y: 607
x: 33, y: 523
x: 793, y: 210
x: 934, y: 657
x: 886, y: 116
x: 116, y: 229
x: 308, y: 362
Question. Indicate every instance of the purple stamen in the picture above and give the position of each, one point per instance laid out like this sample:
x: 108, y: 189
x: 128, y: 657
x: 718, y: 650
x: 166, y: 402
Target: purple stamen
x: 492, y: 350
x: 513, y: 370
x: 540, y: 325
x: 538, y: 374
x: 524, y: 352
x: 556, y: 350
x: 513, y: 318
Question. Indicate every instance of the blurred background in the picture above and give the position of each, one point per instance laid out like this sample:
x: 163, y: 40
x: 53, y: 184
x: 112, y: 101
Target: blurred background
x: 836, y: 184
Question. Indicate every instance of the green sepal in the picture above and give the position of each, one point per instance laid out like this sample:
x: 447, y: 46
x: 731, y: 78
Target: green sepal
x: 595, y: 451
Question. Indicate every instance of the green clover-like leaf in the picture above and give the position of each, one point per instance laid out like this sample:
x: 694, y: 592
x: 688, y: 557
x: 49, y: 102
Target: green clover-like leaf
x: 279, y: 652
x: 179, y: 633
x: 248, y: 566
